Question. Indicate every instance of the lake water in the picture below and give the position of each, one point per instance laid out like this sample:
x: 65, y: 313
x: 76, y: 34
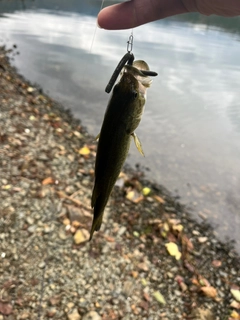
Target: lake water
x: 190, y: 130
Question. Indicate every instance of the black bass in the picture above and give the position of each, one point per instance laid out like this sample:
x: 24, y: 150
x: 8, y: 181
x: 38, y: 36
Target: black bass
x: 122, y: 117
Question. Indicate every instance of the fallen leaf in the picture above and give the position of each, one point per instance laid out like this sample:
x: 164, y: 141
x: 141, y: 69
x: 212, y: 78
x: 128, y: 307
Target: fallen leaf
x: 146, y: 191
x: 234, y: 304
x: 144, y: 282
x: 134, y: 196
x: 5, y: 308
x: 84, y: 151
x: 172, y: 249
x: 203, y: 282
x: 47, y: 181
x: 178, y: 228
x: 235, y: 315
x: 134, y: 274
x: 159, y: 199
x: 166, y: 226
x: 81, y: 236
x: 66, y: 222
x: 109, y: 239
x: 210, y: 291
x: 236, y: 294
x: 173, y: 221
x: 217, y: 263
x: 6, y: 187
x: 143, y: 266
x: 159, y: 297
x: 187, y: 242
x: 146, y: 296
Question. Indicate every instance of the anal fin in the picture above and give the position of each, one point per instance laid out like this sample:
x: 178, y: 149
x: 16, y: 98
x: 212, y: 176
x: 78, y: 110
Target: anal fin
x: 137, y: 143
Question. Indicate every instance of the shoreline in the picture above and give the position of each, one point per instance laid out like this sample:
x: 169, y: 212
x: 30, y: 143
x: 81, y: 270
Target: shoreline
x: 128, y: 271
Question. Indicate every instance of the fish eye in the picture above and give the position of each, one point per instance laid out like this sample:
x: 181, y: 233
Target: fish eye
x: 135, y: 94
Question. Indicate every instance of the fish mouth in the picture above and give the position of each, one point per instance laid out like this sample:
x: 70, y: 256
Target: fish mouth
x: 138, y: 72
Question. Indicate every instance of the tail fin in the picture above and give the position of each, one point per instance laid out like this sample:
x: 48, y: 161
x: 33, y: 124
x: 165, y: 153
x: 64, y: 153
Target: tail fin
x: 96, y: 224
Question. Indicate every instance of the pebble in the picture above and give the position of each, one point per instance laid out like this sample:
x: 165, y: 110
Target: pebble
x: 42, y: 265
x: 74, y: 315
x: 92, y: 315
x: 30, y: 220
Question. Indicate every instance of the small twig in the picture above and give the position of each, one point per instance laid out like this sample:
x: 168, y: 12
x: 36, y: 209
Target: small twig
x: 77, y: 202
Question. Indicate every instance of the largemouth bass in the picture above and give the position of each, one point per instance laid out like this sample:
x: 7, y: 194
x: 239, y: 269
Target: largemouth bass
x: 122, y: 117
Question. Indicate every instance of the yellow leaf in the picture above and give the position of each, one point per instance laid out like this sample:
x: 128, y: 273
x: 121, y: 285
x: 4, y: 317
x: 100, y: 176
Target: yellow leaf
x: 178, y: 228
x: 130, y: 195
x: 166, y: 226
x: 235, y: 315
x: 144, y: 282
x: 159, y: 297
x: 84, y: 151
x: 236, y: 294
x: 146, y: 191
x: 172, y: 249
x: 80, y: 236
x: 6, y: 187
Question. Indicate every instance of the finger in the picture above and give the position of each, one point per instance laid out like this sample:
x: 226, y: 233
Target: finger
x: 137, y: 12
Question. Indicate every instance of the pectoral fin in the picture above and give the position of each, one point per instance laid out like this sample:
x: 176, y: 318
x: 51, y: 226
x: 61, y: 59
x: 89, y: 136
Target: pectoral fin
x: 137, y: 143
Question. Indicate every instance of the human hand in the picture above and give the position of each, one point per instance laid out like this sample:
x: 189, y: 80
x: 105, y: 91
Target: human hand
x: 134, y: 13
x: 137, y: 12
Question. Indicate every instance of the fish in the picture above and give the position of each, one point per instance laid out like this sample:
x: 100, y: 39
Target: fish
x: 122, y: 117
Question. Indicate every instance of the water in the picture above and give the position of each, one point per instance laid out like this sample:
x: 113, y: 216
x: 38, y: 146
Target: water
x: 190, y: 131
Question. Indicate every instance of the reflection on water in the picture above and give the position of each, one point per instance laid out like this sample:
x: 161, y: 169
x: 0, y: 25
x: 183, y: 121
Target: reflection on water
x: 191, y: 127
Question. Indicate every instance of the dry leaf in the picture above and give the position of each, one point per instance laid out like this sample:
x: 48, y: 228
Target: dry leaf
x: 159, y: 297
x: 47, y: 181
x: 187, y: 242
x: 6, y: 187
x: 134, y: 196
x: 159, y: 199
x: 5, y: 308
x: 81, y: 236
x: 217, y: 263
x: 172, y: 249
x: 235, y: 304
x: 203, y: 282
x: 210, y: 292
x: 235, y: 315
x: 236, y: 294
x: 178, y: 228
x: 84, y: 151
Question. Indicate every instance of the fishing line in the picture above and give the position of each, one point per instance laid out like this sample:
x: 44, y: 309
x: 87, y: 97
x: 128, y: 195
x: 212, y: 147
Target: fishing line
x: 95, y: 30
